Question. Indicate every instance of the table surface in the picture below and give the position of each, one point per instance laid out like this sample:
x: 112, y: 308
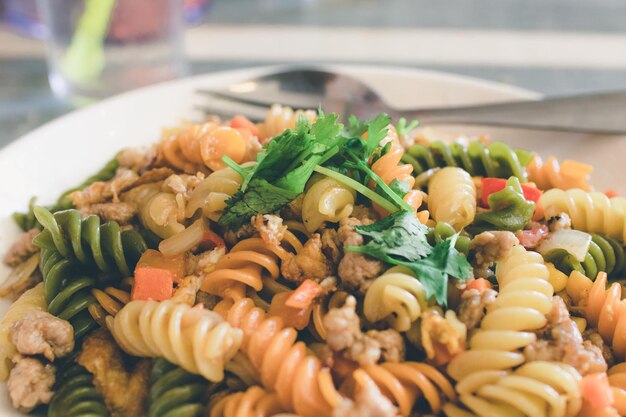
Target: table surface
x: 552, y: 46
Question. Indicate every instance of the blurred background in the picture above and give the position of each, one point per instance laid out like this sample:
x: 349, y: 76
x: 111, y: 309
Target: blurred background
x: 555, y: 47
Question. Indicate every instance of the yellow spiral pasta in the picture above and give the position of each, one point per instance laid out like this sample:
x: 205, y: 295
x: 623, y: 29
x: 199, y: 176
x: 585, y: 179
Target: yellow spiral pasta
x: 535, y: 389
x: 551, y: 174
x: 521, y: 306
x: 590, y: 211
x: 31, y: 300
x: 280, y: 118
x: 452, y: 197
x: 161, y: 212
x: 326, y: 201
x: 396, y: 296
x: 196, y: 339
x: 211, y: 194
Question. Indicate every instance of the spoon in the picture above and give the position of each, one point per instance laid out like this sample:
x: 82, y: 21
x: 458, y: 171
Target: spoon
x: 310, y: 88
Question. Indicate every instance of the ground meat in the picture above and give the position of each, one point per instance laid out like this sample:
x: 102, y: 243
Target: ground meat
x: 22, y: 249
x: 329, y: 285
x: 330, y: 246
x: 270, y: 228
x: 30, y: 384
x: 591, y: 336
x: 345, y: 337
x: 355, y: 270
x: 532, y: 237
x: 391, y: 344
x: 489, y: 247
x: 561, y: 341
x: 209, y: 301
x: 40, y: 333
x: 309, y: 263
x: 366, y: 215
x: 560, y: 222
x: 182, y: 184
x: 244, y: 232
x: 473, y: 306
x: 124, y: 180
x: 187, y: 289
x: 368, y: 401
x: 123, y: 387
x: 137, y: 159
x: 120, y: 212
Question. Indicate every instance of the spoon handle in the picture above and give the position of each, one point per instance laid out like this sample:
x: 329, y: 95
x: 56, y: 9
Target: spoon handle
x: 603, y: 113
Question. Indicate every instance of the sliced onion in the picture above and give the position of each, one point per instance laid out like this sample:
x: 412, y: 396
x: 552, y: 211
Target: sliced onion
x: 183, y: 241
x: 573, y: 241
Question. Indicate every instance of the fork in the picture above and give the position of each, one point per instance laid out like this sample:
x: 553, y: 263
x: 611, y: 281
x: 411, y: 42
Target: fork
x: 310, y: 88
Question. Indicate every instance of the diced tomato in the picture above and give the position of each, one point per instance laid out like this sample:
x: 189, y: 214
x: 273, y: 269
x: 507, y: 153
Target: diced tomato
x: 493, y: 185
x: 292, y: 317
x: 152, y: 284
x: 596, y: 390
x: 211, y: 240
x: 480, y: 284
x: 611, y: 193
x: 303, y: 296
x: 155, y: 259
x: 242, y: 122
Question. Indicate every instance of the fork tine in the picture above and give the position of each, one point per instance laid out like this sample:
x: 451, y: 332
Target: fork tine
x: 295, y: 101
x: 230, y: 108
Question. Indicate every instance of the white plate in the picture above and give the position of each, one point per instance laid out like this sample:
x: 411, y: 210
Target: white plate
x: 62, y: 153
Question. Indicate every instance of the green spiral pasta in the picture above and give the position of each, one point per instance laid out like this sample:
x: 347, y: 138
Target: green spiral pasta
x: 67, y: 291
x: 605, y: 255
x: 175, y: 392
x: 493, y: 160
x: 104, y: 246
x: 75, y: 394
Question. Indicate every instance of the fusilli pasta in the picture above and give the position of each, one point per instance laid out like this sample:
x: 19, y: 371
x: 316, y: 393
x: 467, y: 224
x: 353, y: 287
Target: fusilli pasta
x: 590, y: 211
x: 326, y: 201
x: 280, y: 118
x: 211, y: 194
x: 551, y: 174
x: 452, y: 197
x: 175, y: 392
x: 195, y: 339
x: 75, y: 394
x: 396, y: 296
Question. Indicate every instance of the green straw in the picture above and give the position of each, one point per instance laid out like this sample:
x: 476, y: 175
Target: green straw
x: 84, y: 59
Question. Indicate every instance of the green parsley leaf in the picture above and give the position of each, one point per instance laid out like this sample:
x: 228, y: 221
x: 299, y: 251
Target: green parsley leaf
x: 260, y: 197
x: 399, y: 235
x: 400, y: 239
x: 403, y: 126
x: 376, y: 131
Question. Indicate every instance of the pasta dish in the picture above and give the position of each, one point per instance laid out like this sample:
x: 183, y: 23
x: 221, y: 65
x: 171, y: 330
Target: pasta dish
x: 304, y: 267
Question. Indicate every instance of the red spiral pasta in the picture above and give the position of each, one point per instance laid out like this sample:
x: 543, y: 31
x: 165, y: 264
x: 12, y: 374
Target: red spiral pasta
x: 606, y: 311
x: 255, y: 401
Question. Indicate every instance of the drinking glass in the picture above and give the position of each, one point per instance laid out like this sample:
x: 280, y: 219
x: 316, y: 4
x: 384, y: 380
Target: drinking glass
x: 98, y: 48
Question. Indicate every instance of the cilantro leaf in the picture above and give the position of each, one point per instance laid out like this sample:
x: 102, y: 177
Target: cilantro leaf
x: 399, y: 234
x: 376, y: 131
x: 400, y: 239
x: 260, y: 197
x: 433, y: 271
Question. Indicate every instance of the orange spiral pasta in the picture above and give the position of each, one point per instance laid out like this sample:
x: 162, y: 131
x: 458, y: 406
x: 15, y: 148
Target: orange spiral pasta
x: 551, y: 174
x: 300, y: 381
x: 388, y: 168
x: 617, y: 380
x: 245, y: 266
x: 255, y: 401
x: 203, y: 145
x: 606, y: 311
x: 280, y: 118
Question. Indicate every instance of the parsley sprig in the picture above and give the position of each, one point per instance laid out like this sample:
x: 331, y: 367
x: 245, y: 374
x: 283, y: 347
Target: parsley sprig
x: 400, y: 239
